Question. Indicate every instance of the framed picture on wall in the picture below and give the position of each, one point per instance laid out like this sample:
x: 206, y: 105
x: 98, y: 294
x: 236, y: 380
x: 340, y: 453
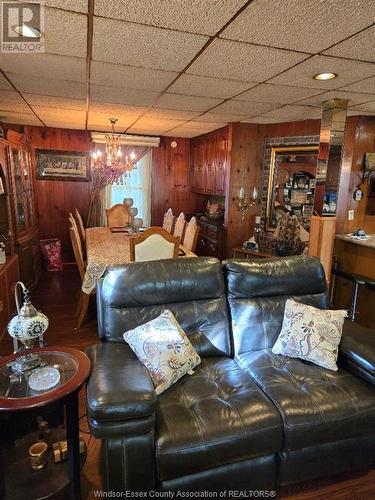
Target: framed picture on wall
x: 62, y: 165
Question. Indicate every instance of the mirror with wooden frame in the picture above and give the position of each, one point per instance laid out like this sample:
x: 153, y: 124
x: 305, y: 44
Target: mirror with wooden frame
x: 292, y: 182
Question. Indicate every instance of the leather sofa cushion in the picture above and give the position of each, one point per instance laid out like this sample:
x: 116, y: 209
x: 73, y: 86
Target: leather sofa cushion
x: 258, y: 290
x: 316, y: 405
x: 119, y: 387
x: 192, y: 288
x: 215, y: 417
x: 270, y: 277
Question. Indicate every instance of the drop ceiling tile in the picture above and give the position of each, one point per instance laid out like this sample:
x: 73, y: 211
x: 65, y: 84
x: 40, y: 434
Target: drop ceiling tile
x: 158, y: 124
x: 199, y: 16
x: 245, y: 108
x: 302, y: 25
x: 171, y: 114
x: 185, y: 132
x: 19, y: 118
x: 293, y: 112
x: 130, y: 77
x: 368, y: 107
x: 261, y: 120
x: 186, y: 102
x: 145, y: 130
x: 60, y: 115
x: 11, y: 101
x: 74, y: 5
x: 303, y: 74
x: 100, y: 122
x: 214, y: 117
x: 208, y: 87
x: 55, y: 102
x: 367, y: 85
x: 353, y: 98
x: 45, y: 66
x: 48, y: 86
x: 122, y: 96
x: 207, y: 126
x: 4, y: 84
x: 282, y: 94
x: 73, y: 125
x: 360, y: 113
x: 65, y: 33
x: 146, y: 46
x: 116, y: 110
x: 242, y: 61
x: 360, y: 46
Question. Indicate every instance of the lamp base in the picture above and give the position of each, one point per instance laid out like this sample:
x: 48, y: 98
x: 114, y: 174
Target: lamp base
x: 25, y: 362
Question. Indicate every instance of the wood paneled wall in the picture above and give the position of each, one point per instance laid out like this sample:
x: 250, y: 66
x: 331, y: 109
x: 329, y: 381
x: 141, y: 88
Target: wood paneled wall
x: 170, y: 179
x: 55, y: 199
x: 246, y: 142
x: 359, y: 139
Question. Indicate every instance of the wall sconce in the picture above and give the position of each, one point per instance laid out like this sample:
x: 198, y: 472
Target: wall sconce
x: 244, y: 204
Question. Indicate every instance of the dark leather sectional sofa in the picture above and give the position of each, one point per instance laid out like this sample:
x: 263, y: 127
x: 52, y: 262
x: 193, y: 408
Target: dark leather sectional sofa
x: 247, y: 418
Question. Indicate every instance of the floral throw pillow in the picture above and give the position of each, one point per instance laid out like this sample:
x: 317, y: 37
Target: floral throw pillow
x: 311, y: 334
x: 163, y: 347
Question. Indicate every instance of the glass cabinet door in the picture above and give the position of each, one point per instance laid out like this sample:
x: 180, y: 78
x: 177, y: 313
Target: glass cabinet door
x: 27, y: 178
x: 19, y: 192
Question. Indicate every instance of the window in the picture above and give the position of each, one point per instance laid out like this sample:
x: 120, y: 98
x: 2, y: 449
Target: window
x: 137, y: 185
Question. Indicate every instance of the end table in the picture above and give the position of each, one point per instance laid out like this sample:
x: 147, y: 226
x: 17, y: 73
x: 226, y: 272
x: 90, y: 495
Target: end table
x: 16, y: 396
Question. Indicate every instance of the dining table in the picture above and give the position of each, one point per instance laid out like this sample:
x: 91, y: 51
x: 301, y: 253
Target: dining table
x: 105, y: 248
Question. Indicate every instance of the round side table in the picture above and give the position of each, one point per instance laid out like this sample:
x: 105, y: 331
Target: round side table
x: 17, y: 396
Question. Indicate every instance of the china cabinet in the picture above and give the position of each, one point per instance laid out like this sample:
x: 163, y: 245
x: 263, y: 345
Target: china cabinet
x: 22, y: 226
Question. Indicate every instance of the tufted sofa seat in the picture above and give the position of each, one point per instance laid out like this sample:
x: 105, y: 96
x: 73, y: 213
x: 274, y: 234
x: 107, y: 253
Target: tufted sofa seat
x: 212, y: 407
x: 246, y: 419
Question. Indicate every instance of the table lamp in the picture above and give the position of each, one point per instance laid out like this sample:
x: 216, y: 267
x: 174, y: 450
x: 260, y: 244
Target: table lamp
x: 27, y: 326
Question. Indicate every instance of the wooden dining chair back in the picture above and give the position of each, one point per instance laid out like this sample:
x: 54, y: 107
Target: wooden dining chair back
x: 169, y: 221
x: 154, y: 244
x: 179, y: 228
x: 81, y: 227
x: 77, y: 250
x: 191, y: 235
x: 118, y: 216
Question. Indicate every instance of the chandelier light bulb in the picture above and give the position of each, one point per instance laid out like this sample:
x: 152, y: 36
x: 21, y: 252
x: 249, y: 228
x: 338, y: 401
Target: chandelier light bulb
x: 113, y: 164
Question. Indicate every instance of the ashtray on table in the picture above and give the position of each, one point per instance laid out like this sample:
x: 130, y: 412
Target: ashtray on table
x: 42, y: 379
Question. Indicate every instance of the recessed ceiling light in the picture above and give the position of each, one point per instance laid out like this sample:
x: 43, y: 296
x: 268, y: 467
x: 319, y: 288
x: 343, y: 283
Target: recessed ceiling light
x: 27, y: 31
x: 325, y: 76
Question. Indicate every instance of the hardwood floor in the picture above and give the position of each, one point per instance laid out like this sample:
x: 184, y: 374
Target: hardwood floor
x: 56, y: 296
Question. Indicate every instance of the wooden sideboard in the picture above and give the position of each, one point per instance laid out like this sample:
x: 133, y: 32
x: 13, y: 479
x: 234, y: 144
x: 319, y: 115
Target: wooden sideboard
x: 210, y: 239
x: 9, y: 275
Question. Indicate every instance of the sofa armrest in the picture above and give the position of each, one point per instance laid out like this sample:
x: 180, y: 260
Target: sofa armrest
x: 357, y: 350
x: 119, y: 389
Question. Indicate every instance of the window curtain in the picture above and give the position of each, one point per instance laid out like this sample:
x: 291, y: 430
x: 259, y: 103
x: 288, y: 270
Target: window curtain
x: 99, y: 182
x: 136, y: 185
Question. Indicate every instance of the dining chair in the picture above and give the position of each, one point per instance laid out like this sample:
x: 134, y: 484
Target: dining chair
x: 179, y: 228
x: 191, y: 235
x: 154, y: 244
x: 81, y: 227
x: 84, y: 298
x: 118, y: 215
x: 169, y: 221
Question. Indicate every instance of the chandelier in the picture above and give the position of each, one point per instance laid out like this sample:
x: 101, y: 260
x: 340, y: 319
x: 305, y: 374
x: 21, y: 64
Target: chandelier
x: 113, y: 165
